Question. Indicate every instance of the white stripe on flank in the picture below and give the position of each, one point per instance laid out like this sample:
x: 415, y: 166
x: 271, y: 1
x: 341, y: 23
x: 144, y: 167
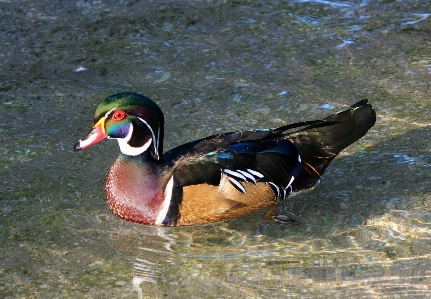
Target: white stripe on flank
x: 276, y: 188
x: 235, y: 174
x: 290, y: 182
x: 161, y: 215
x: 237, y: 184
x: 248, y: 176
x: 255, y: 173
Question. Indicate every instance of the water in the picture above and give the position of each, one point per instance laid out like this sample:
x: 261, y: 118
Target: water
x: 215, y: 66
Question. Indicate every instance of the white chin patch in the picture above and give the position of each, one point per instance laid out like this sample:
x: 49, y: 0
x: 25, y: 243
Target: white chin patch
x: 132, y: 151
x: 125, y: 147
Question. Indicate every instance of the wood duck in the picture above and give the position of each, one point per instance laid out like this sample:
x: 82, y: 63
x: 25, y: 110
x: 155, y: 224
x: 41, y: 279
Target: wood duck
x: 218, y: 177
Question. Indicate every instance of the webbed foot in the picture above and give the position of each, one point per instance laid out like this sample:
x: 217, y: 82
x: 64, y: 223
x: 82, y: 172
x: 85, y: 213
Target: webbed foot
x: 274, y: 216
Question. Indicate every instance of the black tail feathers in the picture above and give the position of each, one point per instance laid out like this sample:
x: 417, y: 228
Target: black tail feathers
x: 319, y: 143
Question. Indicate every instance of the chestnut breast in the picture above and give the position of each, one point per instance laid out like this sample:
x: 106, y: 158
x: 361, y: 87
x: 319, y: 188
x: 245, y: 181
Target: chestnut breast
x: 134, y: 191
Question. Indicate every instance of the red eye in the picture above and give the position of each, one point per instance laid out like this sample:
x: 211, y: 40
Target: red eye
x: 119, y: 115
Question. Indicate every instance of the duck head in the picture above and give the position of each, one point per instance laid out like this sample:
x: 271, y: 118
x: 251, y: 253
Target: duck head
x: 133, y: 119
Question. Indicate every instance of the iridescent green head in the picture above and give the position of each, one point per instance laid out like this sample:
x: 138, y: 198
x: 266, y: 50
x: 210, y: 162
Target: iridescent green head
x: 133, y: 119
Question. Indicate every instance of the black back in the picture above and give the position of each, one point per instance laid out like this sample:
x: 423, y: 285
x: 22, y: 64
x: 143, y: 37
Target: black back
x: 273, y: 152
x: 318, y: 144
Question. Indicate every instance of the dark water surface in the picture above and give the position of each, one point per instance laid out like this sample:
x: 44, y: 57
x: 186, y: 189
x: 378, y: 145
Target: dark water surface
x: 215, y: 66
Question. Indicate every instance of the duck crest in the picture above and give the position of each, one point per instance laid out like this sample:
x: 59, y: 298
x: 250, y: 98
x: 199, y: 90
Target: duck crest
x: 147, y: 122
x: 218, y: 177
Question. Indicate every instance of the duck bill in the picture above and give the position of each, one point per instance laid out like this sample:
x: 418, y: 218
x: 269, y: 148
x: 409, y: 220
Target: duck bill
x: 96, y: 135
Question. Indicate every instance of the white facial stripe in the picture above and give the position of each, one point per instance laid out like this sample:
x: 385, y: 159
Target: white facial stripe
x: 161, y: 215
x: 129, y: 150
x: 156, y: 143
x: 109, y: 112
x: 156, y: 140
x: 132, y: 151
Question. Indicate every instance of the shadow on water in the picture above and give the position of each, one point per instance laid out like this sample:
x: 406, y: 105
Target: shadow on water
x: 364, y: 233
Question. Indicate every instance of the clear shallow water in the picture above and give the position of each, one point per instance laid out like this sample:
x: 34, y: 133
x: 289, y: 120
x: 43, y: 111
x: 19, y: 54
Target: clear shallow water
x: 215, y: 66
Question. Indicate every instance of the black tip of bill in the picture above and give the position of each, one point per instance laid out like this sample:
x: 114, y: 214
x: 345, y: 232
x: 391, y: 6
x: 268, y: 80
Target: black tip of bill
x: 77, y: 146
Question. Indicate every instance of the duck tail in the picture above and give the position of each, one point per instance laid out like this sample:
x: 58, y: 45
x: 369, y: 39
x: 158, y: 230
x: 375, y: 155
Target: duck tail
x: 318, y: 144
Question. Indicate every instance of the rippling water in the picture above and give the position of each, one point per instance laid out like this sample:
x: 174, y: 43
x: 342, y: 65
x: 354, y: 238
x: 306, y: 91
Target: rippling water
x: 215, y: 66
